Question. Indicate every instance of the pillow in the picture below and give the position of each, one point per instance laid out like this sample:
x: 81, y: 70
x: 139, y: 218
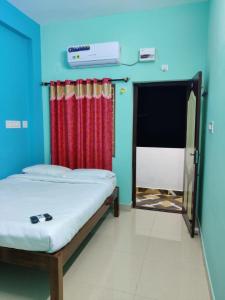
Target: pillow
x: 97, y: 173
x: 48, y: 170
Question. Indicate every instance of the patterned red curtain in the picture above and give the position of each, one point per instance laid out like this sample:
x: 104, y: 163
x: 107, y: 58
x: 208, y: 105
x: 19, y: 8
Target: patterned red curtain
x: 81, y: 123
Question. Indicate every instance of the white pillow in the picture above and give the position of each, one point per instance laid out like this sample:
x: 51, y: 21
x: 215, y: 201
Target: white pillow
x: 48, y: 170
x: 96, y: 173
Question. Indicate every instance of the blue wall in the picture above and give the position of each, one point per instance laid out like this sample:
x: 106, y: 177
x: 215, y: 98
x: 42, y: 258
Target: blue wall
x: 180, y: 36
x: 213, y: 205
x: 20, y: 90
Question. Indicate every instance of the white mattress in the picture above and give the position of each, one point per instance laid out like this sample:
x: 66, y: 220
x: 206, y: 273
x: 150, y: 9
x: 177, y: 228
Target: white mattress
x: 70, y: 202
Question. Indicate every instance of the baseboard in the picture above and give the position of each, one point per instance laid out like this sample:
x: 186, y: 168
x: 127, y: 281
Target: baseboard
x: 206, y: 264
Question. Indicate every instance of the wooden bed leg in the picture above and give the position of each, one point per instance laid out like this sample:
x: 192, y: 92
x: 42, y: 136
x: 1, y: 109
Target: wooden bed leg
x: 116, y: 208
x: 56, y: 278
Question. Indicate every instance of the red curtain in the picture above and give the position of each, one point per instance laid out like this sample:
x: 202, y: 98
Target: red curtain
x: 81, y: 123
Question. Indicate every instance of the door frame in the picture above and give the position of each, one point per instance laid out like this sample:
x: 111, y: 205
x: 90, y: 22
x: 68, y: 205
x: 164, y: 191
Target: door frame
x: 136, y: 85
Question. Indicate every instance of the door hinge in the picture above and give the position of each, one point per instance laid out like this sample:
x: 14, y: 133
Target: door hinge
x: 196, y: 156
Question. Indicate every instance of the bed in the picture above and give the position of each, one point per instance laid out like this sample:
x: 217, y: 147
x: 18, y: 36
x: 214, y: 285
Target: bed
x: 76, y: 204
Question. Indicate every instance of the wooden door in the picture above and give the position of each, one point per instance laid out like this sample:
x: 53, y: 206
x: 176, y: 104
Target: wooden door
x: 192, y: 153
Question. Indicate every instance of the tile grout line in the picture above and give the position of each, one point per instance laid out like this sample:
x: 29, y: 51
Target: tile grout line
x: 144, y: 257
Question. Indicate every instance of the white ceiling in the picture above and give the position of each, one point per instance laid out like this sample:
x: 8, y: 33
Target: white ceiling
x: 47, y: 11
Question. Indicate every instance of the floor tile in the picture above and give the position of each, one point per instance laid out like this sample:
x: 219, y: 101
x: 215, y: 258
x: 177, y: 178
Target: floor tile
x: 127, y: 242
x: 169, y: 226
x: 135, y: 221
x: 142, y: 298
x: 172, y: 280
x: 121, y: 237
x: 85, y: 291
x: 188, y: 249
x: 107, y: 269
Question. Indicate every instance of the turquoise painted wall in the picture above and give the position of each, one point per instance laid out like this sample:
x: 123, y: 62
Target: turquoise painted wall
x: 20, y: 76
x: 213, y: 204
x: 180, y: 36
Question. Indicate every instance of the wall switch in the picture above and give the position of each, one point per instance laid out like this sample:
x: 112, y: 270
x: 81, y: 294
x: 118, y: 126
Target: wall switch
x: 25, y: 124
x: 211, y: 126
x: 12, y: 124
x: 165, y: 68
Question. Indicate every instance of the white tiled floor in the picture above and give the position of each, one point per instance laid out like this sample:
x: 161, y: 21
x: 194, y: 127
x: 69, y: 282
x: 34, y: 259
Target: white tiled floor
x: 143, y: 255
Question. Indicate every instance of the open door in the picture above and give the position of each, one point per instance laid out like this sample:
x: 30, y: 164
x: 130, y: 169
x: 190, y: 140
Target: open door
x: 192, y: 153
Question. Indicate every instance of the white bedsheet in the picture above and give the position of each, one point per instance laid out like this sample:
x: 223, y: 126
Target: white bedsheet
x: 70, y: 202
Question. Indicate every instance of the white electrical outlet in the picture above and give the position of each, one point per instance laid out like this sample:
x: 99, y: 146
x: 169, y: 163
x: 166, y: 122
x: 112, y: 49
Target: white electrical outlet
x: 25, y: 124
x: 12, y: 124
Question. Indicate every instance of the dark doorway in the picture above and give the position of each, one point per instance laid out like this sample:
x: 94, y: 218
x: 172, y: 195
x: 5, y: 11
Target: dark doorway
x: 166, y: 127
x: 161, y: 116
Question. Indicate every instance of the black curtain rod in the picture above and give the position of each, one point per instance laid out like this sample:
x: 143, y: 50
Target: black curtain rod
x: 126, y: 79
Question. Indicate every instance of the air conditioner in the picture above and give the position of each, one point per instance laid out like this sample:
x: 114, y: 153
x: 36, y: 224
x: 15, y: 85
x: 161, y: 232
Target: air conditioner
x: 93, y: 54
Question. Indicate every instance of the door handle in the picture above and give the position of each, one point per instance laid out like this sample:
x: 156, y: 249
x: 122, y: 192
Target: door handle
x: 196, y: 156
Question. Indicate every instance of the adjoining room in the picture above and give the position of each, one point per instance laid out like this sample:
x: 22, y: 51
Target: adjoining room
x: 160, y: 144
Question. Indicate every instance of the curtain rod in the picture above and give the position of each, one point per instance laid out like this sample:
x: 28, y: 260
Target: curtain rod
x: 125, y: 79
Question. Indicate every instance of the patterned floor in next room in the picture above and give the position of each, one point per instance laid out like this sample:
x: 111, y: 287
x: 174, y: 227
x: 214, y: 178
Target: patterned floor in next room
x: 159, y: 199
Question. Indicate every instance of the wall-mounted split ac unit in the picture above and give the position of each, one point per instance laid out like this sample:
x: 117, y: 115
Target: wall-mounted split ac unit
x: 93, y: 54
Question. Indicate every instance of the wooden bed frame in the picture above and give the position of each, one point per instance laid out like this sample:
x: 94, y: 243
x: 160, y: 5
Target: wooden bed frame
x: 53, y: 262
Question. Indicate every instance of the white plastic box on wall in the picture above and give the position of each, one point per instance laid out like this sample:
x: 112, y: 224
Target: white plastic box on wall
x: 146, y: 54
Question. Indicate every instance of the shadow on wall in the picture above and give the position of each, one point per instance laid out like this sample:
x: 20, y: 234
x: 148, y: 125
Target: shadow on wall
x: 63, y: 60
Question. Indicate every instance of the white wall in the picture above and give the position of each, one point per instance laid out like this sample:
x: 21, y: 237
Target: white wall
x: 160, y: 168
